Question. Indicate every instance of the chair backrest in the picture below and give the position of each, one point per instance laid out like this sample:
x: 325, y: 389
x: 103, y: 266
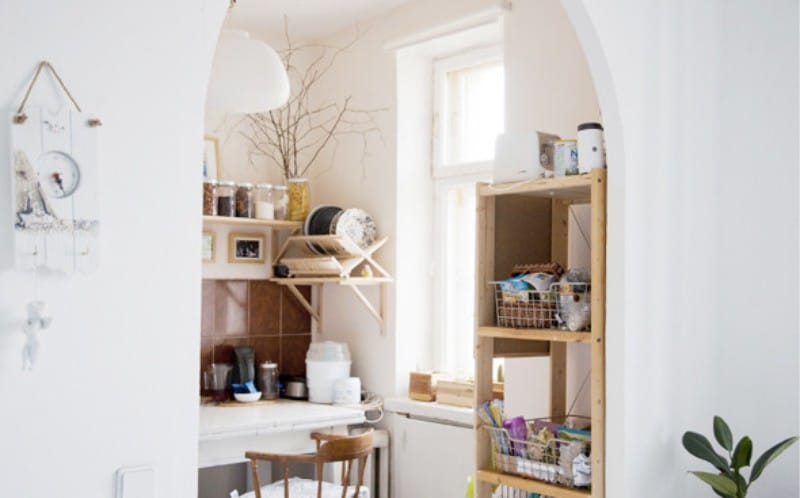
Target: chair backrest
x: 346, y: 448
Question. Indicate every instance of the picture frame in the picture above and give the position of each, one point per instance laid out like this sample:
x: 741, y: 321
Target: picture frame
x: 209, y: 247
x: 211, y: 157
x: 247, y: 248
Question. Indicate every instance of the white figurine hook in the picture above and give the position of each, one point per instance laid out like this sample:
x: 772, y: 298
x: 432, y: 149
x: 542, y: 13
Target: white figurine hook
x: 36, y: 321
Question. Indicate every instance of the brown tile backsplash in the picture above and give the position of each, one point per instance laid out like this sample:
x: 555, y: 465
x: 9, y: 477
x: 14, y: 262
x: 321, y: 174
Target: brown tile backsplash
x: 254, y: 313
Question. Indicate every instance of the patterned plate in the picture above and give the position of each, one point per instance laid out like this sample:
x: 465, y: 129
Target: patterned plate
x: 357, y: 225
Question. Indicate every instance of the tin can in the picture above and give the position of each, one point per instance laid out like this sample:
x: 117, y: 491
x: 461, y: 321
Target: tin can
x: 566, y: 158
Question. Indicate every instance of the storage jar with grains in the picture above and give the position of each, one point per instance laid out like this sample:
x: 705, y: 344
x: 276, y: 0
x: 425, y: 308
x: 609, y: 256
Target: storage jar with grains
x: 268, y: 380
x: 245, y: 207
x: 265, y: 209
x: 226, y: 202
x: 280, y: 198
x: 209, y: 197
x: 299, y: 199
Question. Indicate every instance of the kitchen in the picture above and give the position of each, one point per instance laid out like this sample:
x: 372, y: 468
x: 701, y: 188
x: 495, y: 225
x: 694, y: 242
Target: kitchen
x: 241, y: 308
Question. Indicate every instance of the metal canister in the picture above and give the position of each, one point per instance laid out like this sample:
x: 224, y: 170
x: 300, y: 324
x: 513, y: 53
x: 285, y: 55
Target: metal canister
x: 566, y: 158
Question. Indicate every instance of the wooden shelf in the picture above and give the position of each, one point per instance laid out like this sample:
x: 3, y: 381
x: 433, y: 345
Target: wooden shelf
x: 331, y: 280
x: 532, y: 486
x: 551, y: 335
x: 575, y: 188
x: 253, y: 222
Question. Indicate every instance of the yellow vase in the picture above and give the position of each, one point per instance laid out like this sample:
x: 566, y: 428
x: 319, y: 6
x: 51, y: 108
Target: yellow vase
x: 299, y: 202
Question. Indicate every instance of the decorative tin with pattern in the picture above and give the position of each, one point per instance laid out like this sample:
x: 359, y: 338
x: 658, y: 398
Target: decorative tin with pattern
x: 566, y: 158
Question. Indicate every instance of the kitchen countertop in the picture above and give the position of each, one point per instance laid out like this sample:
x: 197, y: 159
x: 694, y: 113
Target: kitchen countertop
x: 223, y: 422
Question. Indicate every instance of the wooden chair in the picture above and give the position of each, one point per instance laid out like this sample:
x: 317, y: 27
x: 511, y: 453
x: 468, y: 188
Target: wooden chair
x: 330, y: 449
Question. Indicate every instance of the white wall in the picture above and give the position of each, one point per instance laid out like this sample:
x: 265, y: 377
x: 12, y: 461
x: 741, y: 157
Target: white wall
x: 115, y: 384
x: 703, y: 96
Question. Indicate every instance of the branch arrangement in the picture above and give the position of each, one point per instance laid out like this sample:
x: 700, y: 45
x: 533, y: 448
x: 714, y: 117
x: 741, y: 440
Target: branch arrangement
x: 294, y: 136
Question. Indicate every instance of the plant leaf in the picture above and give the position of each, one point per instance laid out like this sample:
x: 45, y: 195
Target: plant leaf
x: 770, y: 455
x: 720, y: 483
x: 741, y: 485
x: 742, y: 453
x: 699, y: 446
x: 723, y: 433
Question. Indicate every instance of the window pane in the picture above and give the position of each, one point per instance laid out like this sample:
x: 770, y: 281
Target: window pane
x: 475, y: 112
x: 459, y: 277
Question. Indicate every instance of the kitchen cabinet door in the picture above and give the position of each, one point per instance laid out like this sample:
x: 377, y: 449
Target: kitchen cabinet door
x: 430, y: 459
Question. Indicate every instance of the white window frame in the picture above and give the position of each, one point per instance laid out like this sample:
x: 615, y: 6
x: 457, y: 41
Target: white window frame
x: 447, y: 175
x: 470, y: 58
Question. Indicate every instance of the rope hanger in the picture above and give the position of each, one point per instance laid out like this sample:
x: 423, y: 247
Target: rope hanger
x: 20, y: 117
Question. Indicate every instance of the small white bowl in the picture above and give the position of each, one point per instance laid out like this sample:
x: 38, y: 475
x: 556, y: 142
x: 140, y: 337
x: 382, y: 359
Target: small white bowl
x: 247, y: 397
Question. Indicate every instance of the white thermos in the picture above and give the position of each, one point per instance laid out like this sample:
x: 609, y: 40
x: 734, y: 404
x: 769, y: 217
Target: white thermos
x: 591, y: 152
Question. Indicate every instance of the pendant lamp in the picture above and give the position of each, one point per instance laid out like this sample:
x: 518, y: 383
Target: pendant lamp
x: 247, y: 76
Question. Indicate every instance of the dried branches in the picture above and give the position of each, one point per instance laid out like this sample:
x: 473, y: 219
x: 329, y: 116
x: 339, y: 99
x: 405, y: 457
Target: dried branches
x: 294, y: 136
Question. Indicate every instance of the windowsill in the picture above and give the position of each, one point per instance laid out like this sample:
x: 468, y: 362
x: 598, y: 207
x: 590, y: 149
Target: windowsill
x: 432, y: 411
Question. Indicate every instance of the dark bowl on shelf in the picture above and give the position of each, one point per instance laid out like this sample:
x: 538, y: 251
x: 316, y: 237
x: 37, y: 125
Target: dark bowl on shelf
x: 319, y: 223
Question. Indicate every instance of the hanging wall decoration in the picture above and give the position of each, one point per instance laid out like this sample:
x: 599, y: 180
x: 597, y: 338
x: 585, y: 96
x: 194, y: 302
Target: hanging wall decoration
x: 55, y: 185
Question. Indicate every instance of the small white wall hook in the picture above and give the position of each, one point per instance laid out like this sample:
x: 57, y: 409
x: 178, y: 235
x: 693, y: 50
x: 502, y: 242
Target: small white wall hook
x: 36, y: 321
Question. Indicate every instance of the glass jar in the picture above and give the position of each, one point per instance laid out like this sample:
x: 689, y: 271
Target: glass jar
x: 280, y: 199
x: 299, y: 199
x: 209, y: 197
x: 226, y: 202
x: 245, y: 208
x: 265, y: 209
x: 268, y: 380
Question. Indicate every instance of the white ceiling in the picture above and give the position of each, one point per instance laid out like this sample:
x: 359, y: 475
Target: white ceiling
x: 307, y: 18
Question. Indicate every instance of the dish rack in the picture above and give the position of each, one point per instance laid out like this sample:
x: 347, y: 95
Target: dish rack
x: 550, y: 461
x: 563, y: 305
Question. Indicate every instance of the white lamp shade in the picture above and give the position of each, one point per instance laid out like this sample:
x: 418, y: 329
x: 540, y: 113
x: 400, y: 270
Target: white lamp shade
x: 247, y: 76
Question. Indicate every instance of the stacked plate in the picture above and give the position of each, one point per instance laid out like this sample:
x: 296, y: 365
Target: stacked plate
x: 355, y: 224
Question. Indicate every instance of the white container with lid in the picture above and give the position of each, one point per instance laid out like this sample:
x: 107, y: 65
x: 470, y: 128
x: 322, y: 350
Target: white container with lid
x: 326, y: 362
x: 591, y: 151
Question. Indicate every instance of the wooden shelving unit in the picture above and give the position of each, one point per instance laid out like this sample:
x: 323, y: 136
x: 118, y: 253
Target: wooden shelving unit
x: 528, y: 222
x: 334, y: 262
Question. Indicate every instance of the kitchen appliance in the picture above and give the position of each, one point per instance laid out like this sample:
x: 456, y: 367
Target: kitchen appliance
x: 522, y: 156
x: 347, y: 391
x: 326, y: 362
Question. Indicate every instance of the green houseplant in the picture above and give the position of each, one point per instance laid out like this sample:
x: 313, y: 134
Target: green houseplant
x: 729, y: 482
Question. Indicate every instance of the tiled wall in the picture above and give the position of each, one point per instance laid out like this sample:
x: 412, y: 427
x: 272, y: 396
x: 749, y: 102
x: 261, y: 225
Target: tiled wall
x: 254, y: 313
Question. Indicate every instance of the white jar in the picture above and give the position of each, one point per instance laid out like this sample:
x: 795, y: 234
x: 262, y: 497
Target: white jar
x: 326, y: 363
x: 591, y: 152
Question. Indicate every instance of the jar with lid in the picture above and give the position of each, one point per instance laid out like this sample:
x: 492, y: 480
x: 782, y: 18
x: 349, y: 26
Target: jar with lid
x: 268, y: 380
x: 280, y: 199
x: 265, y: 209
x: 226, y: 202
x: 209, y: 197
x: 245, y: 208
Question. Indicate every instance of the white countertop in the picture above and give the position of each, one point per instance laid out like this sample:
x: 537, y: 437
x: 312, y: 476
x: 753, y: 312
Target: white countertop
x: 223, y: 422
x: 432, y: 411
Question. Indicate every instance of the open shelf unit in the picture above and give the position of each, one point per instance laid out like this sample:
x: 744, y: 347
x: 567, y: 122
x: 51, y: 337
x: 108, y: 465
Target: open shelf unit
x: 528, y: 222
x: 334, y: 260
x: 280, y: 225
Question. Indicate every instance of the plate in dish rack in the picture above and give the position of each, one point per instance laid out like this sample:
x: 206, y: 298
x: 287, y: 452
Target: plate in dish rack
x: 357, y: 225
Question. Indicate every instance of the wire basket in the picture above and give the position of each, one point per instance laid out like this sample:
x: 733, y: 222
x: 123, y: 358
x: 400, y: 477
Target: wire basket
x: 553, y: 461
x: 563, y: 305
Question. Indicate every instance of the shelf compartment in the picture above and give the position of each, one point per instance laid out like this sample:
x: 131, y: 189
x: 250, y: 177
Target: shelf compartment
x: 520, y: 348
x: 532, y: 486
x: 575, y: 188
x: 254, y: 222
x: 551, y: 335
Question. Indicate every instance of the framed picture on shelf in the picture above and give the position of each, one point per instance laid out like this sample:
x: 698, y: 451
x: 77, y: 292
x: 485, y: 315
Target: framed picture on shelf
x: 209, y: 243
x: 246, y: 248
x: 211, y: 157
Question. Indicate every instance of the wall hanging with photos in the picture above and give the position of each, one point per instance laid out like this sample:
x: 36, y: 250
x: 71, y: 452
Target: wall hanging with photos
x: 54, y: 182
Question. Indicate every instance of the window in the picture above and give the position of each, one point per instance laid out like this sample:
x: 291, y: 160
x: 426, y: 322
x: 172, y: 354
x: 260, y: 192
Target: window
x: 469, y: 111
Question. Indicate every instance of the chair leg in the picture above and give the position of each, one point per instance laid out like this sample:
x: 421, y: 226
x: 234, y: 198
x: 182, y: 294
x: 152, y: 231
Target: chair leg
x: 362, y: 466
x: 319, y: 479
x: 285, y: 480
x: 256, y: 482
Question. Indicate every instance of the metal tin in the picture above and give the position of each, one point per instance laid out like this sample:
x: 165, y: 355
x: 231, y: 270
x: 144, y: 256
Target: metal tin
x: 566, y: 158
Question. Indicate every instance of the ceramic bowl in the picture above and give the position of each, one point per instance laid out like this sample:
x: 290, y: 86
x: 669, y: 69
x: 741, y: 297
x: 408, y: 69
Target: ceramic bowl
x: 247, y: 397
